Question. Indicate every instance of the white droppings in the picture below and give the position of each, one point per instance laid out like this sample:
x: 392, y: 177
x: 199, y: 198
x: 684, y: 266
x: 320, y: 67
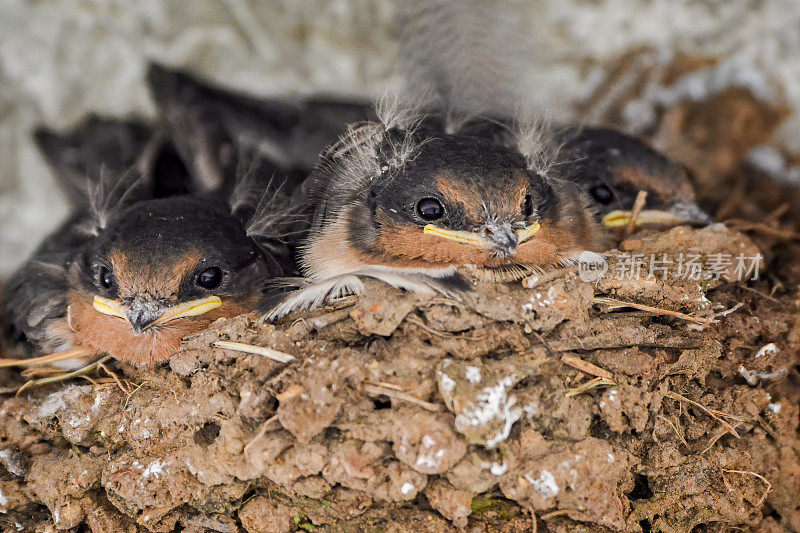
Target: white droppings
x: 545, y: 484
x: 3, y: 502
x: 428, y: 461
x: 610, y: 457
x: 767, y: 349
x: 448, y: 384
x: 428, y: 441
x: 753, y: 376
x: 493, y: 403
x: 530, y: 282
x: 57, y: 401
x: 612, y: 395
x: 527, y: 307
x: 98, y: 399
x: 498, y: 470
x: 473, y: 374
x: 407, y: 488
x: 154, y: 469
x: 775, y: 407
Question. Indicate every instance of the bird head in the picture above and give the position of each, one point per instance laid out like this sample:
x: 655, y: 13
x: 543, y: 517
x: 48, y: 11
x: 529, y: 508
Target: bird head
x: 424, y: 199
x: 613, y: 167
x: 161, y: 270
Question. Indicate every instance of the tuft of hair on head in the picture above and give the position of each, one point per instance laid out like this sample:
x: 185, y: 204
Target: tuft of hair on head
x: 112, y: 192
x: 403, y: 112
x: 533, y: 135
x: 367, y: 150
x: 264, y: 206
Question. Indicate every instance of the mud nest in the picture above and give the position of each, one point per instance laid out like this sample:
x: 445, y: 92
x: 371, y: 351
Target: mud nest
x: 623, y: 405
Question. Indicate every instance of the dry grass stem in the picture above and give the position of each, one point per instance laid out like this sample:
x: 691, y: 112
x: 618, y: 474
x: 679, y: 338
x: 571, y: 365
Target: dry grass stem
x: 263, y: 351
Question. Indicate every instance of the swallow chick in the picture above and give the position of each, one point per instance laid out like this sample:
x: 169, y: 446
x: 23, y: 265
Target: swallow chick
x: 613, y: 167
x: 131, y: 275
x: 211, y: 126
x: 418, y: 209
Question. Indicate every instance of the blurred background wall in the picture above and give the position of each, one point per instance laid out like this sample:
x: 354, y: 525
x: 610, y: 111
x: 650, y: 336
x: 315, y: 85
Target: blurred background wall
x: 624, y: 62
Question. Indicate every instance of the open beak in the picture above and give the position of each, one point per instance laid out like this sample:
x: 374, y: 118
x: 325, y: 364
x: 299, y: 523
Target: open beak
x: 145, y: 314
x: 492, y: 236
x: 678, y: 214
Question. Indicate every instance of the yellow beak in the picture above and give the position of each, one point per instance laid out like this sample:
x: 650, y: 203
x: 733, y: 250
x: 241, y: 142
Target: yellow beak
x: 470, y: 237
x: 183, y: 310
x: 530, y: 231
x: 620, y: 219
x: 110, y: 307
x: 188, y: 309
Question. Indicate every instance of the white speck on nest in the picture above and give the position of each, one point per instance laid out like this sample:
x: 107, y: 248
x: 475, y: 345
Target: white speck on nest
x: 767, y: 349
x: 775, y: 407
x: 493, y: 403
x: 3, y: 502
x: 57, y: 401
x: 407, y: 488
x: 527, y: 307
x: 498, y: 470
x: 545, y: 484
x: 428, y: 441
x: 448, y: 384
x: 753, y: 376
x: 610, y: 457
x: 154, y: 469
x: 530, y: 282
x: 430, y: 460
x: 101, y: 395
x: 612, y: 395
x: 473, y: 374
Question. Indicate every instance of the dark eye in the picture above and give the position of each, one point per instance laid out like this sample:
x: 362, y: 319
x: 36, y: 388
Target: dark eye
x: 602, y: 194
x: 210, y: 278
x: 527, y: 209
x: 106, y: 278
x: 430, y: 209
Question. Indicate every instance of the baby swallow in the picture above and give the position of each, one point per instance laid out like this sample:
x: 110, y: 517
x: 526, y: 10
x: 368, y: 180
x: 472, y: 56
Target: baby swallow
x: 613, y: 167
x: 416, y: 208
x: 130, y: 275
x: 106, y: 145
x: 214, y: 128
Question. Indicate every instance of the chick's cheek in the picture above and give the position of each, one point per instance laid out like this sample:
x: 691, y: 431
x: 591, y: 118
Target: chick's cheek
x: 103, y: 333
x: 547, y: 248
x: 409, y: 246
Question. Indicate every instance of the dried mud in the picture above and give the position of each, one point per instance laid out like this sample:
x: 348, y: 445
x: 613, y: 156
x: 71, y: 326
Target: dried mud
x: 526, y: 404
